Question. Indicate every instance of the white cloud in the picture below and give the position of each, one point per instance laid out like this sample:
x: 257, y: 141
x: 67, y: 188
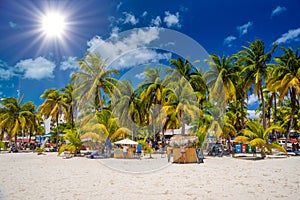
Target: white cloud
x: 142, y: 56
x: 140, y: 76
x: 111, y: 48
x: 130, y: 18
x: 253, y: 114
x: 291, y: 35
x: 13, y: 25
x: 252, y: 99
x: 69, y: 63
x: 278, y: 10
x: 145, y: 13
x: 38, y: 68
x: 244, y: 28
x: 156, y: 21
x: 5, y: 71
x: 129, y: 50
x: 228, y: 40
x: 119, y: 5
x: 172, y: 20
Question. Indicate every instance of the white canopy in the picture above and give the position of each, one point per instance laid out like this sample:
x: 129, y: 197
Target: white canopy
x: 126, y: 141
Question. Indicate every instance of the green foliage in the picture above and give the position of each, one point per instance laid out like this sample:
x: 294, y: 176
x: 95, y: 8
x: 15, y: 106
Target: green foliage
x: 2, y: 145
x: 74, y: 140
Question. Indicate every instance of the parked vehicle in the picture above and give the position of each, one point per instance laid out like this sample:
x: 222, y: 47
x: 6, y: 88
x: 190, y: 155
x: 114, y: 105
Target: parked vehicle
x: 282, y: 143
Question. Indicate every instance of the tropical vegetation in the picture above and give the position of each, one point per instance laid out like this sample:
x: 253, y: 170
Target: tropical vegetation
x: 96, y: 105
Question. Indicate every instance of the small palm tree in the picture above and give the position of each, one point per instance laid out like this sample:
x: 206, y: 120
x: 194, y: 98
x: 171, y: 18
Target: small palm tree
x: 255, y: 135
x: 74, y: 142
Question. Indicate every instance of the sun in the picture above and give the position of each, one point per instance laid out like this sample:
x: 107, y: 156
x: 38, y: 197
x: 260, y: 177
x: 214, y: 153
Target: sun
x: 53, y: 24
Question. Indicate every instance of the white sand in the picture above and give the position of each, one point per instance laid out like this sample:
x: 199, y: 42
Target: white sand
x: 29, y: 176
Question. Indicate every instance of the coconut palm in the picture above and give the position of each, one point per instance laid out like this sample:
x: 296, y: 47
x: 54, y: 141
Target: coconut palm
x: 109, y: 127
x: 74, y: 143
x: 184, y: 67
x: 181, y: 99
x: 222, y: 74
x: 255, y: 135
x: 254, y: 61
x: 69, y: 102
x: 286, y: 80
x: 93, y: 78
x: 126, y: 106
x: 14, y: 116
x: 53, y: 106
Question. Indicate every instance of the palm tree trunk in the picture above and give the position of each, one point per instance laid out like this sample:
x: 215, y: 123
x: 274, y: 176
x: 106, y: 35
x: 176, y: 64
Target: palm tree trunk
x: 293, y: 102
x: 263, y: 107
x: 57, y: 132
x: 275, y: 115
x: 183, y: 122
x: 100, y: 99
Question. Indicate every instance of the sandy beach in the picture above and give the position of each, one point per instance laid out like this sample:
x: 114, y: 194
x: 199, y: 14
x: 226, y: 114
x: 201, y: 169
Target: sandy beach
x: 32, y: 176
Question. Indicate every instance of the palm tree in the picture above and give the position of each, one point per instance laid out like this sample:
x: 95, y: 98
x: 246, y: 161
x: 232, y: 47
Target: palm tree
x: 74, y: 140
x: 53, y: 106
x: 223, y: 77
x: 109, y: 127
x: 181, y: 99
x: 69, y: 102
x: 152, y: 95
x: 254, y: 61
x: 184, y: 67
x: 255, y: 135
x: 286, y: 80
x: 126, y: 107
x: 14, y: 116
x: 92, y: 79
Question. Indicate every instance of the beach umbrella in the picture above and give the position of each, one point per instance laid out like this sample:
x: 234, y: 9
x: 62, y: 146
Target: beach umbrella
x: 126, y: 141
x: 183, y: 140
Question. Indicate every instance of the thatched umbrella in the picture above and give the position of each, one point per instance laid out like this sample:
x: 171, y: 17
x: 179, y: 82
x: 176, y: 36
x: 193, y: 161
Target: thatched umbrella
x: 183, y: 140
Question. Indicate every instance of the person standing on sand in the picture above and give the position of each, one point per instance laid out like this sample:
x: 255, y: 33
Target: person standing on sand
x: 139, y: 150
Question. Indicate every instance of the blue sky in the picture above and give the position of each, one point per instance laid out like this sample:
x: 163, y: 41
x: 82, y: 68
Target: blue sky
x: 32, y: 62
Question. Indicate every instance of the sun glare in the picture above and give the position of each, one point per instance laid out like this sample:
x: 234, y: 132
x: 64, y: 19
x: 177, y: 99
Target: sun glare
x: 53, y: 25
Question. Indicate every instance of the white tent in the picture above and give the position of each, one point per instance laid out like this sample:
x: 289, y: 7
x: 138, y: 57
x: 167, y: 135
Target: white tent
x: 126, y: 141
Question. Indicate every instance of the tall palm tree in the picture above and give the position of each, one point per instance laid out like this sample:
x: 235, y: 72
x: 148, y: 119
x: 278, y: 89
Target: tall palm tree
x: 286, y: 80
x: 93, y: 78
x: 181, y: 99
x: 254, y: 61
x: 255, y: 135
x: 53, y: 106
x: 152, y: 95
x: 126, y: 107
x: 14, y: 116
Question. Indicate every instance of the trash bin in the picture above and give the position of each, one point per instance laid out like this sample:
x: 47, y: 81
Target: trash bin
x: 244, y: 148
x: 249, y: 149
x: 237, y: 148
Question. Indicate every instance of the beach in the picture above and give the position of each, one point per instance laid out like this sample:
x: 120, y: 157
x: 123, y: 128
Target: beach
x: 32, y: 176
